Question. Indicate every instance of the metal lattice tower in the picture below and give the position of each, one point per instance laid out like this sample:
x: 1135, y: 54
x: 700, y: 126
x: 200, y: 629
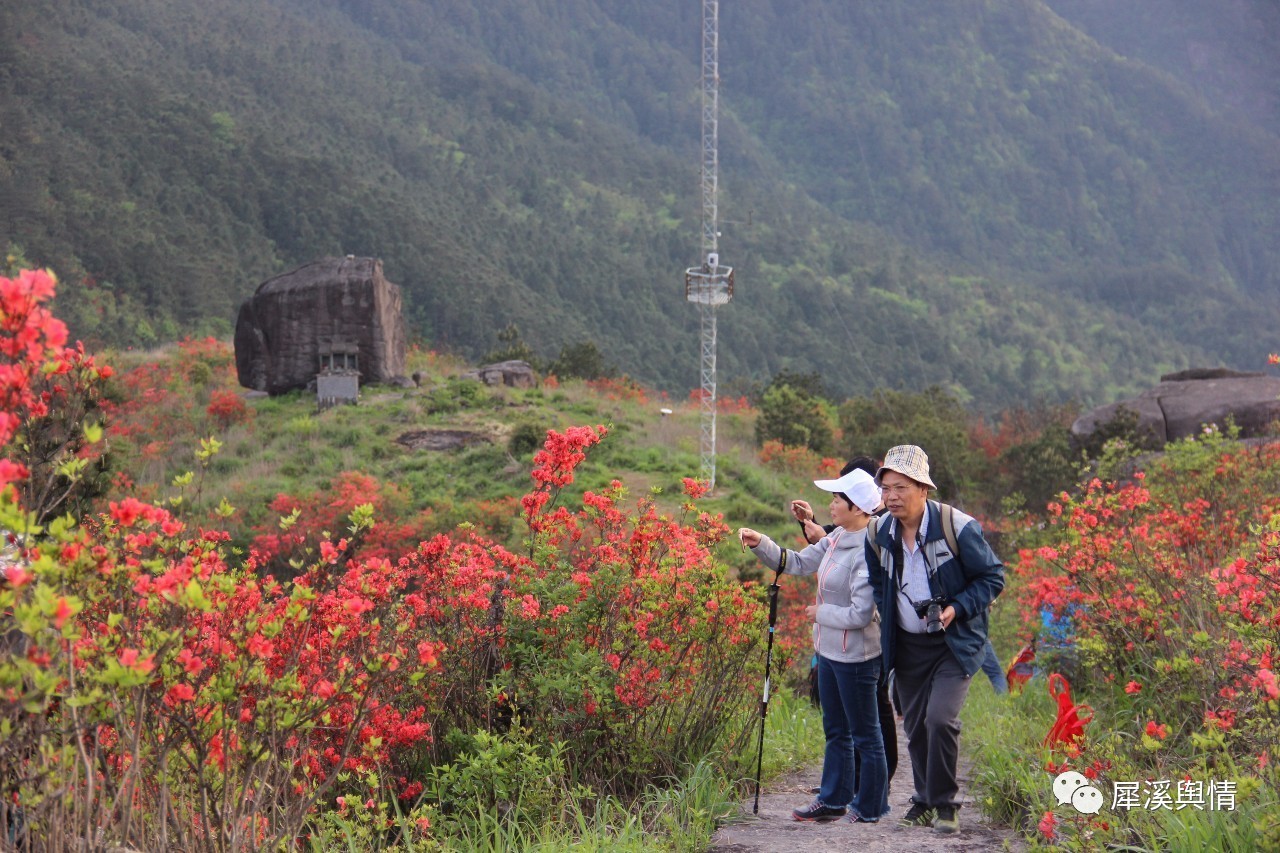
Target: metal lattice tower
x: 711, y: 284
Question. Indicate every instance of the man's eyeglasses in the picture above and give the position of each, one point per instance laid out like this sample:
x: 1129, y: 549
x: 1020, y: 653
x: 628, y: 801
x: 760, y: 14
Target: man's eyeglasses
x: 898, y: 490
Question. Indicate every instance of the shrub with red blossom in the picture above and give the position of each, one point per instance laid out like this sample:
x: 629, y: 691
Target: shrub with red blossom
x: 50, y: 402
x: 159, y: 690
x: 781, y: 457
x: 227, y: 408
x: 1170, y: 583
x: 619, y: 388
x: 625, y: 638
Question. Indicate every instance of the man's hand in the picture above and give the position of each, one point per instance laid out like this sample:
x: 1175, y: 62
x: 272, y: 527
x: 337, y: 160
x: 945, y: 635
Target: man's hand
x: 803, y: 513
x: 748, y: 537
x: 948, y: 616
x: 801, y: 510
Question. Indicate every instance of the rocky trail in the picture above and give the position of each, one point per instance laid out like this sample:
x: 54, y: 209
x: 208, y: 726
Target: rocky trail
x: 774, y: 831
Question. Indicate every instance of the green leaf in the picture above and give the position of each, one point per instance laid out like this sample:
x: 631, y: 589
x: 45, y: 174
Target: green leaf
x: 193, y: 596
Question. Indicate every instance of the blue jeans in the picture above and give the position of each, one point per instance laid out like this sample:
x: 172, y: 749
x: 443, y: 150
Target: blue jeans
x: 995, y: 672
x: 851, y: 720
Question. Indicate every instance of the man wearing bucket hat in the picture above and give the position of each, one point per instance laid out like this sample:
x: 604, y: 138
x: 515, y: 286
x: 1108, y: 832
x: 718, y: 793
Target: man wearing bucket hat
x: 846, y: 637
x: 934, y: 605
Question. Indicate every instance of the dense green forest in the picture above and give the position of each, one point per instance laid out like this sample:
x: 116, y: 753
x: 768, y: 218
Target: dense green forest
x: 987, y: 196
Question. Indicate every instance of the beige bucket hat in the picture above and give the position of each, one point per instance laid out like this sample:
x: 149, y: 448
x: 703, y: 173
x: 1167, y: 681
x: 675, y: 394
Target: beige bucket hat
x: 909, y: 461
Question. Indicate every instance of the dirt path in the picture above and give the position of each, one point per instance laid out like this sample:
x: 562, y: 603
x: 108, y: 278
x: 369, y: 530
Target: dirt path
x: 773, y: 830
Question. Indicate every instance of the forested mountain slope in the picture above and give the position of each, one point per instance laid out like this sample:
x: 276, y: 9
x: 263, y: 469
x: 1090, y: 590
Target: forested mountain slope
x: 1225, y: 51
x: 976, y: 194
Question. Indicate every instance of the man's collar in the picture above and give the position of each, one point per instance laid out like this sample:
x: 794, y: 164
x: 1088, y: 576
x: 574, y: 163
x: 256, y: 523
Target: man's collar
x: 922, y: 534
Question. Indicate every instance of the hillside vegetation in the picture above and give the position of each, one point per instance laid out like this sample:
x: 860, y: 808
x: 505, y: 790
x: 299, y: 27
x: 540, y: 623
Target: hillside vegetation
x: 548, y: 638
x: 981, y: 196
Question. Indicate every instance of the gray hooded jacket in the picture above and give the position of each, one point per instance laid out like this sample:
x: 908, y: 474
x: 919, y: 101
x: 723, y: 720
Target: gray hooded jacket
x: 847, y: 627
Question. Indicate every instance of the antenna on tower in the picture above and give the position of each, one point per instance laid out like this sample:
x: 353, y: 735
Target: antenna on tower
x: 710, y: 284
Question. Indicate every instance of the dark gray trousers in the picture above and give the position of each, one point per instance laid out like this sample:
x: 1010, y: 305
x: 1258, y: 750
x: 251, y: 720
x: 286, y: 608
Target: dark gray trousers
x: 932, y: 688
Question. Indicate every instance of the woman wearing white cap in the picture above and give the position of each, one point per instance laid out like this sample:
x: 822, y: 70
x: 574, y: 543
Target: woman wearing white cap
x: 846, y: 637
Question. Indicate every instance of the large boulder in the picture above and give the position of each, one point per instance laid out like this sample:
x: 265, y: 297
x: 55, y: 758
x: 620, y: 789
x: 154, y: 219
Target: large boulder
x: 513, y: 374
x: 330, y: 305
x: 1183, y: 403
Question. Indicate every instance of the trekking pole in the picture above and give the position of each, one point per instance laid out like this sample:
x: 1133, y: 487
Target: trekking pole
x: 768, y: 658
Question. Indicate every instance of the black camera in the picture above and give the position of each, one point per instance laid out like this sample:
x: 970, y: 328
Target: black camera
x: 931, y: 612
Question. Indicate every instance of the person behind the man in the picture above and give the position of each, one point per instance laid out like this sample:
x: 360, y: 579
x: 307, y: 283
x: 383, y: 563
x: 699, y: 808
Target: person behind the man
x: 933, y: 604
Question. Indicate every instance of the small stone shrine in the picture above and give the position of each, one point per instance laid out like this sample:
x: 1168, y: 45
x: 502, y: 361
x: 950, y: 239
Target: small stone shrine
x: 336, y: 322
x: 339, y: 378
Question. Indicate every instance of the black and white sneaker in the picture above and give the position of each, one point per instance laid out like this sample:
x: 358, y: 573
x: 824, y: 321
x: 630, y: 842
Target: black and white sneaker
x: 818, y: 810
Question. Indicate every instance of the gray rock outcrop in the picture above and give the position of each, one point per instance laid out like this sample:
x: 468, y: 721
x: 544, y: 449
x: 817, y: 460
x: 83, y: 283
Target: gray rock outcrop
x: 513, y: 374
x: 282, y: 329
x: 1183, y: 403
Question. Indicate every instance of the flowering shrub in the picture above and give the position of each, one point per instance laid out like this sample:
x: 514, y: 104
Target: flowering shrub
x: 781, y: 457
x: 157, y: 405
x: 733, y: 405
x: 226, y: 409
x: 279, y: 547
x: 619, y: 388
x: 155, y: 693
x: 50, y: 396
x: 1171, y: 586
x: 626, y: 638
x: 160, y: 690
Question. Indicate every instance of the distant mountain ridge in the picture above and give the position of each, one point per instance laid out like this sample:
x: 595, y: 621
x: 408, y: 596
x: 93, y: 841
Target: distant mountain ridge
x: 980, y: 195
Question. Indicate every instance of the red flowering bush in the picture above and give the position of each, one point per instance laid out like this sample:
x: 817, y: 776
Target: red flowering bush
x: 733, y: 405
x: 226, y: 409
x: 625, y: 638
x: 781, y: 457
x: 156, y: 406
x: 160, y: 690
x: 1170, y: 587
x: 619, y: 388
x: 50, y: 396
x: 153, y: 690
x: 304, y: 523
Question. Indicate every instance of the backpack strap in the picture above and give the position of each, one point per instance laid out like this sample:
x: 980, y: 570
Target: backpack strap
x: 949, y: 528
x: 872, y: 525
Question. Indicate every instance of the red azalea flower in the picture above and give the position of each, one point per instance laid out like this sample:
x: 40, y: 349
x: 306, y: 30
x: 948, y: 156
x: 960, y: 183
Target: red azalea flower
x: 180, y: 693
x: 1048, y: 825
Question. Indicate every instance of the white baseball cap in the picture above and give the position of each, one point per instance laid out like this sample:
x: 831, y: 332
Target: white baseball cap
x: 857, y: 486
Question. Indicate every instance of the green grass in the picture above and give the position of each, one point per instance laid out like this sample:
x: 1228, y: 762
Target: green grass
x: 677, y: 815
x: 793, y: 736
x: 1002, y: 737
